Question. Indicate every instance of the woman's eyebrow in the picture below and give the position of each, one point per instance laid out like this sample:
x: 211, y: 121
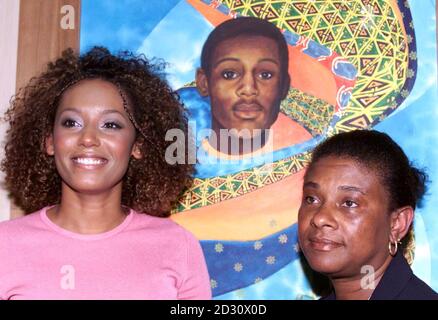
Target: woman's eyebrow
x: 106, y: 111
x: 352, y: 188
x: 70, y: 109
x: 113, y: 111
x: 311, y: 184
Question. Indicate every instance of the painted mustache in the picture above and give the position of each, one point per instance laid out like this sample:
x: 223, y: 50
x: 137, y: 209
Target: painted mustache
x: 251, y: 106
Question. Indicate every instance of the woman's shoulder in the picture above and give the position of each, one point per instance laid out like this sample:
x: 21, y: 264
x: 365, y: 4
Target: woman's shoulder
x: 417, y: 289
x: 19, y: 228
x: 164, y: 226
x: 400, y: 283
x: 414, y: 288
x: 20, y: 223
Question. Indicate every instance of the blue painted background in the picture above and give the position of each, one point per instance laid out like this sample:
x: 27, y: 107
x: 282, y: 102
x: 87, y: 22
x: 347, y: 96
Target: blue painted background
x: 415, y: 128
x: 137, y: 26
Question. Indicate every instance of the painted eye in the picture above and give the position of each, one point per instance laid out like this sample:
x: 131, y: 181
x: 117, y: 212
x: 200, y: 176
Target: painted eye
x: 265, y: 75
x: 112, y: 125
x: 350, y: 204
x: 228, y: 74
x: 69, y: 123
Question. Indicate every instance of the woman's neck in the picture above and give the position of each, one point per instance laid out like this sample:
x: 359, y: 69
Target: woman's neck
x: 88, y: 213
x: 360, y: 287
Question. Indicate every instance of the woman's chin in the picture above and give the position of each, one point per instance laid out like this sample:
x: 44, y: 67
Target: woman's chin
x: 326, y: 267
x: 91, y: 188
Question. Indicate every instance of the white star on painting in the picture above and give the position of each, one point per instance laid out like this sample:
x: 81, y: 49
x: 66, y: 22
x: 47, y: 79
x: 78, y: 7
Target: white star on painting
x: 270, y: 260
x: 238, y: 267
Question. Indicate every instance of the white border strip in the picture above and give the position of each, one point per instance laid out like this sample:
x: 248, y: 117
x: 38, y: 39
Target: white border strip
x: 9, y: 24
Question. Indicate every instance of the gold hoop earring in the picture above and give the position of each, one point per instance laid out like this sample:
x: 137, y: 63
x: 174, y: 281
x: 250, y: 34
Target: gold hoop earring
x: 391, y: 246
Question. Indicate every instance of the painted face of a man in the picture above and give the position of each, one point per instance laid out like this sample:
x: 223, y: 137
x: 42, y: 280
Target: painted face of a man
x: 244, y: 83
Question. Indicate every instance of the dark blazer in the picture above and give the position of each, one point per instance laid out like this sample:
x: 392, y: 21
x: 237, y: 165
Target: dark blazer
x: 399, y: 283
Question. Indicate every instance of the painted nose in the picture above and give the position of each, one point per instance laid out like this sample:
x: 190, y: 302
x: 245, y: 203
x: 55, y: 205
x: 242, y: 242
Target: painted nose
x: 248, y: 86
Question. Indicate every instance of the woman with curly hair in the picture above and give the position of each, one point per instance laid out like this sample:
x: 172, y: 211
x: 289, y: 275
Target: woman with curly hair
x: 85, y: 157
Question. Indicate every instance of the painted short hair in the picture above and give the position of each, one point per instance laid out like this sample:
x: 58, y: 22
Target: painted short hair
x: 246, y: 26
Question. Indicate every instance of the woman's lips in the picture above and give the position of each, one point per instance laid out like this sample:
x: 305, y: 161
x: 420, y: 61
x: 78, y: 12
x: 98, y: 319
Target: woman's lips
x: 89, y: 162
x: 323, y: 244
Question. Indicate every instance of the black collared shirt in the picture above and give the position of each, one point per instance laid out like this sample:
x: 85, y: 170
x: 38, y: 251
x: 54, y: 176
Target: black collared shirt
x: 399, y: 283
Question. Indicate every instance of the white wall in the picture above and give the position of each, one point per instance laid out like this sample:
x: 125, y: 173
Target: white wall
x: 9, y: 16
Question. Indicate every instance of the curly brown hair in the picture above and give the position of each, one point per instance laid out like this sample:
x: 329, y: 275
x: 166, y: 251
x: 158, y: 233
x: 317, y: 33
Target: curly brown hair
x: 150, y: 185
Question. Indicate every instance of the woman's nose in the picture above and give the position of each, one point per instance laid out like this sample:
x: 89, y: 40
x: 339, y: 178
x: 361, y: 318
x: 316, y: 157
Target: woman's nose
x: 324, y: 217
x: 89, y: 137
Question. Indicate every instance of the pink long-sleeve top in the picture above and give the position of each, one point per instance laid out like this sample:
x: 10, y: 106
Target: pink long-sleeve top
x: 144, y: 257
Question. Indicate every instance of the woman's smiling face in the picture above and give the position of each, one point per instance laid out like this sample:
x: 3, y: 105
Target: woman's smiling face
x: 93, y: 138
x: 343, y: 222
